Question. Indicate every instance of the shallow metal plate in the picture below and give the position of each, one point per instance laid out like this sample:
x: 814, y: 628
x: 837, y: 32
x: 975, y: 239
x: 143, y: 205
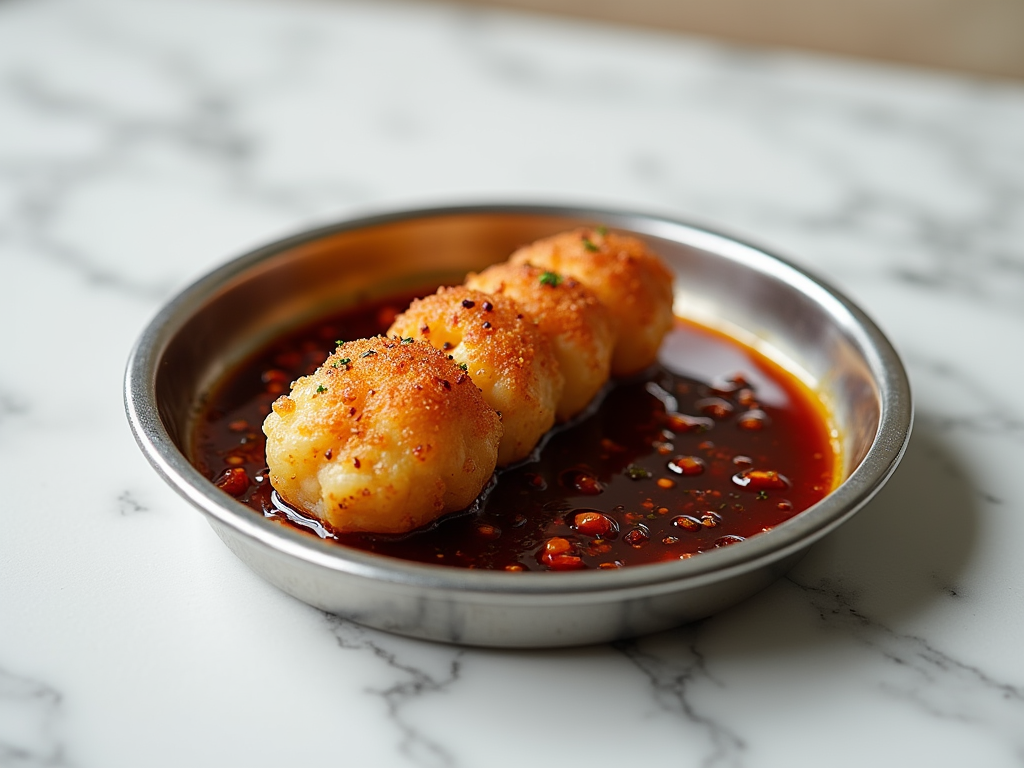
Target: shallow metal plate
x: 222, y: 318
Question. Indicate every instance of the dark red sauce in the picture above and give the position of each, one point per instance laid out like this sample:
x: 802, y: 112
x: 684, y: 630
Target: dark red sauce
x: 720, y: 446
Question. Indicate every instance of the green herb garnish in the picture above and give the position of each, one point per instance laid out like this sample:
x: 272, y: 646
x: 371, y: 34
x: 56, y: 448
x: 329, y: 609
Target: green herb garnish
x: 589, y: 245
x: 602, y: 230
x: 550, y: 278
x: 343, y: 361
x: 408, y: 340
x: 369, y: 352
x: 321, y: 389
x: 634, y: 472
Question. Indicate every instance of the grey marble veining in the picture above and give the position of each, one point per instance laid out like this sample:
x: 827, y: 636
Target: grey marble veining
x: 143, y: 143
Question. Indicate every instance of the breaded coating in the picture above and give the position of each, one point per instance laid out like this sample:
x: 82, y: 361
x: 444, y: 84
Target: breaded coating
x: 633, y: 283
x: 576, y: 322
x: 504, y: 353
x: 385, y: 437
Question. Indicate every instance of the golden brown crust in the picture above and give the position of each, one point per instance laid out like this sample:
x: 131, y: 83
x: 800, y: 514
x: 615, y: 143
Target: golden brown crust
x: 632, y: 282
x: 503, y: 352
x: 570, y: 315
x: 385, y: 436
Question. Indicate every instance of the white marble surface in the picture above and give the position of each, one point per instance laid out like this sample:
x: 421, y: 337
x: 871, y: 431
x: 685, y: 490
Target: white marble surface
x: 142, y: 143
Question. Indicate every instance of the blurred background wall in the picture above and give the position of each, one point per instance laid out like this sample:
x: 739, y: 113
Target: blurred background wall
x: 983, y: 37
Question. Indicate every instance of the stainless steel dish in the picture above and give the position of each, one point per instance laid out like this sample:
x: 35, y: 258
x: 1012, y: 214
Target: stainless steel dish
x: 225, y: 316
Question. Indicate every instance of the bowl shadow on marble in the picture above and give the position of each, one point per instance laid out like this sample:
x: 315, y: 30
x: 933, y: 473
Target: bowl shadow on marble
x: 910, y: 544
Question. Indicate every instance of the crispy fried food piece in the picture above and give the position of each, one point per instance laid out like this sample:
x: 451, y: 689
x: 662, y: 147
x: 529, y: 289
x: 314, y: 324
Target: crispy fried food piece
x: 576, y: 322
x: 504, y: 353
x: 633, y: 283
x: 385, y: 436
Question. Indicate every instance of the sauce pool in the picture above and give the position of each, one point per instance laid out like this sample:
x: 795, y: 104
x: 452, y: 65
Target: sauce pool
x: 715, y: 446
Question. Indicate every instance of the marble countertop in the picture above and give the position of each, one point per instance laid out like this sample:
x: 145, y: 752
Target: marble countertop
x: 143, y: 143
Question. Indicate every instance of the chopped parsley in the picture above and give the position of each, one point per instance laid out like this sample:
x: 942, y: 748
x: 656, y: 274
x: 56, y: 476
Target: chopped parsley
x: 464, y: 366
x: 589, y: 245
x: 602, y: 230
x: 344, y: 361
x: 408, y: 340
x: 635, y: 472
x: 550, y: 278
x: 321, y: 389
x: 369, y: 352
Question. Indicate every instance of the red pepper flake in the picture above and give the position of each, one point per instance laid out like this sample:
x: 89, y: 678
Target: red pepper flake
x: 594, y: 523
x: 687, y: 465
x: 680, y: 422
x: 233, y: 480
x: 710, y: 519
x: 557, y: 555
x: 753, y: 421
x: 611, y: 565
x: 535, y: 480
x: 581, y: 481
x: 715, y: 407
x: 761, y: 480
x: 686, y: 523
x: 487, y: 531
x: 638, y: 536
